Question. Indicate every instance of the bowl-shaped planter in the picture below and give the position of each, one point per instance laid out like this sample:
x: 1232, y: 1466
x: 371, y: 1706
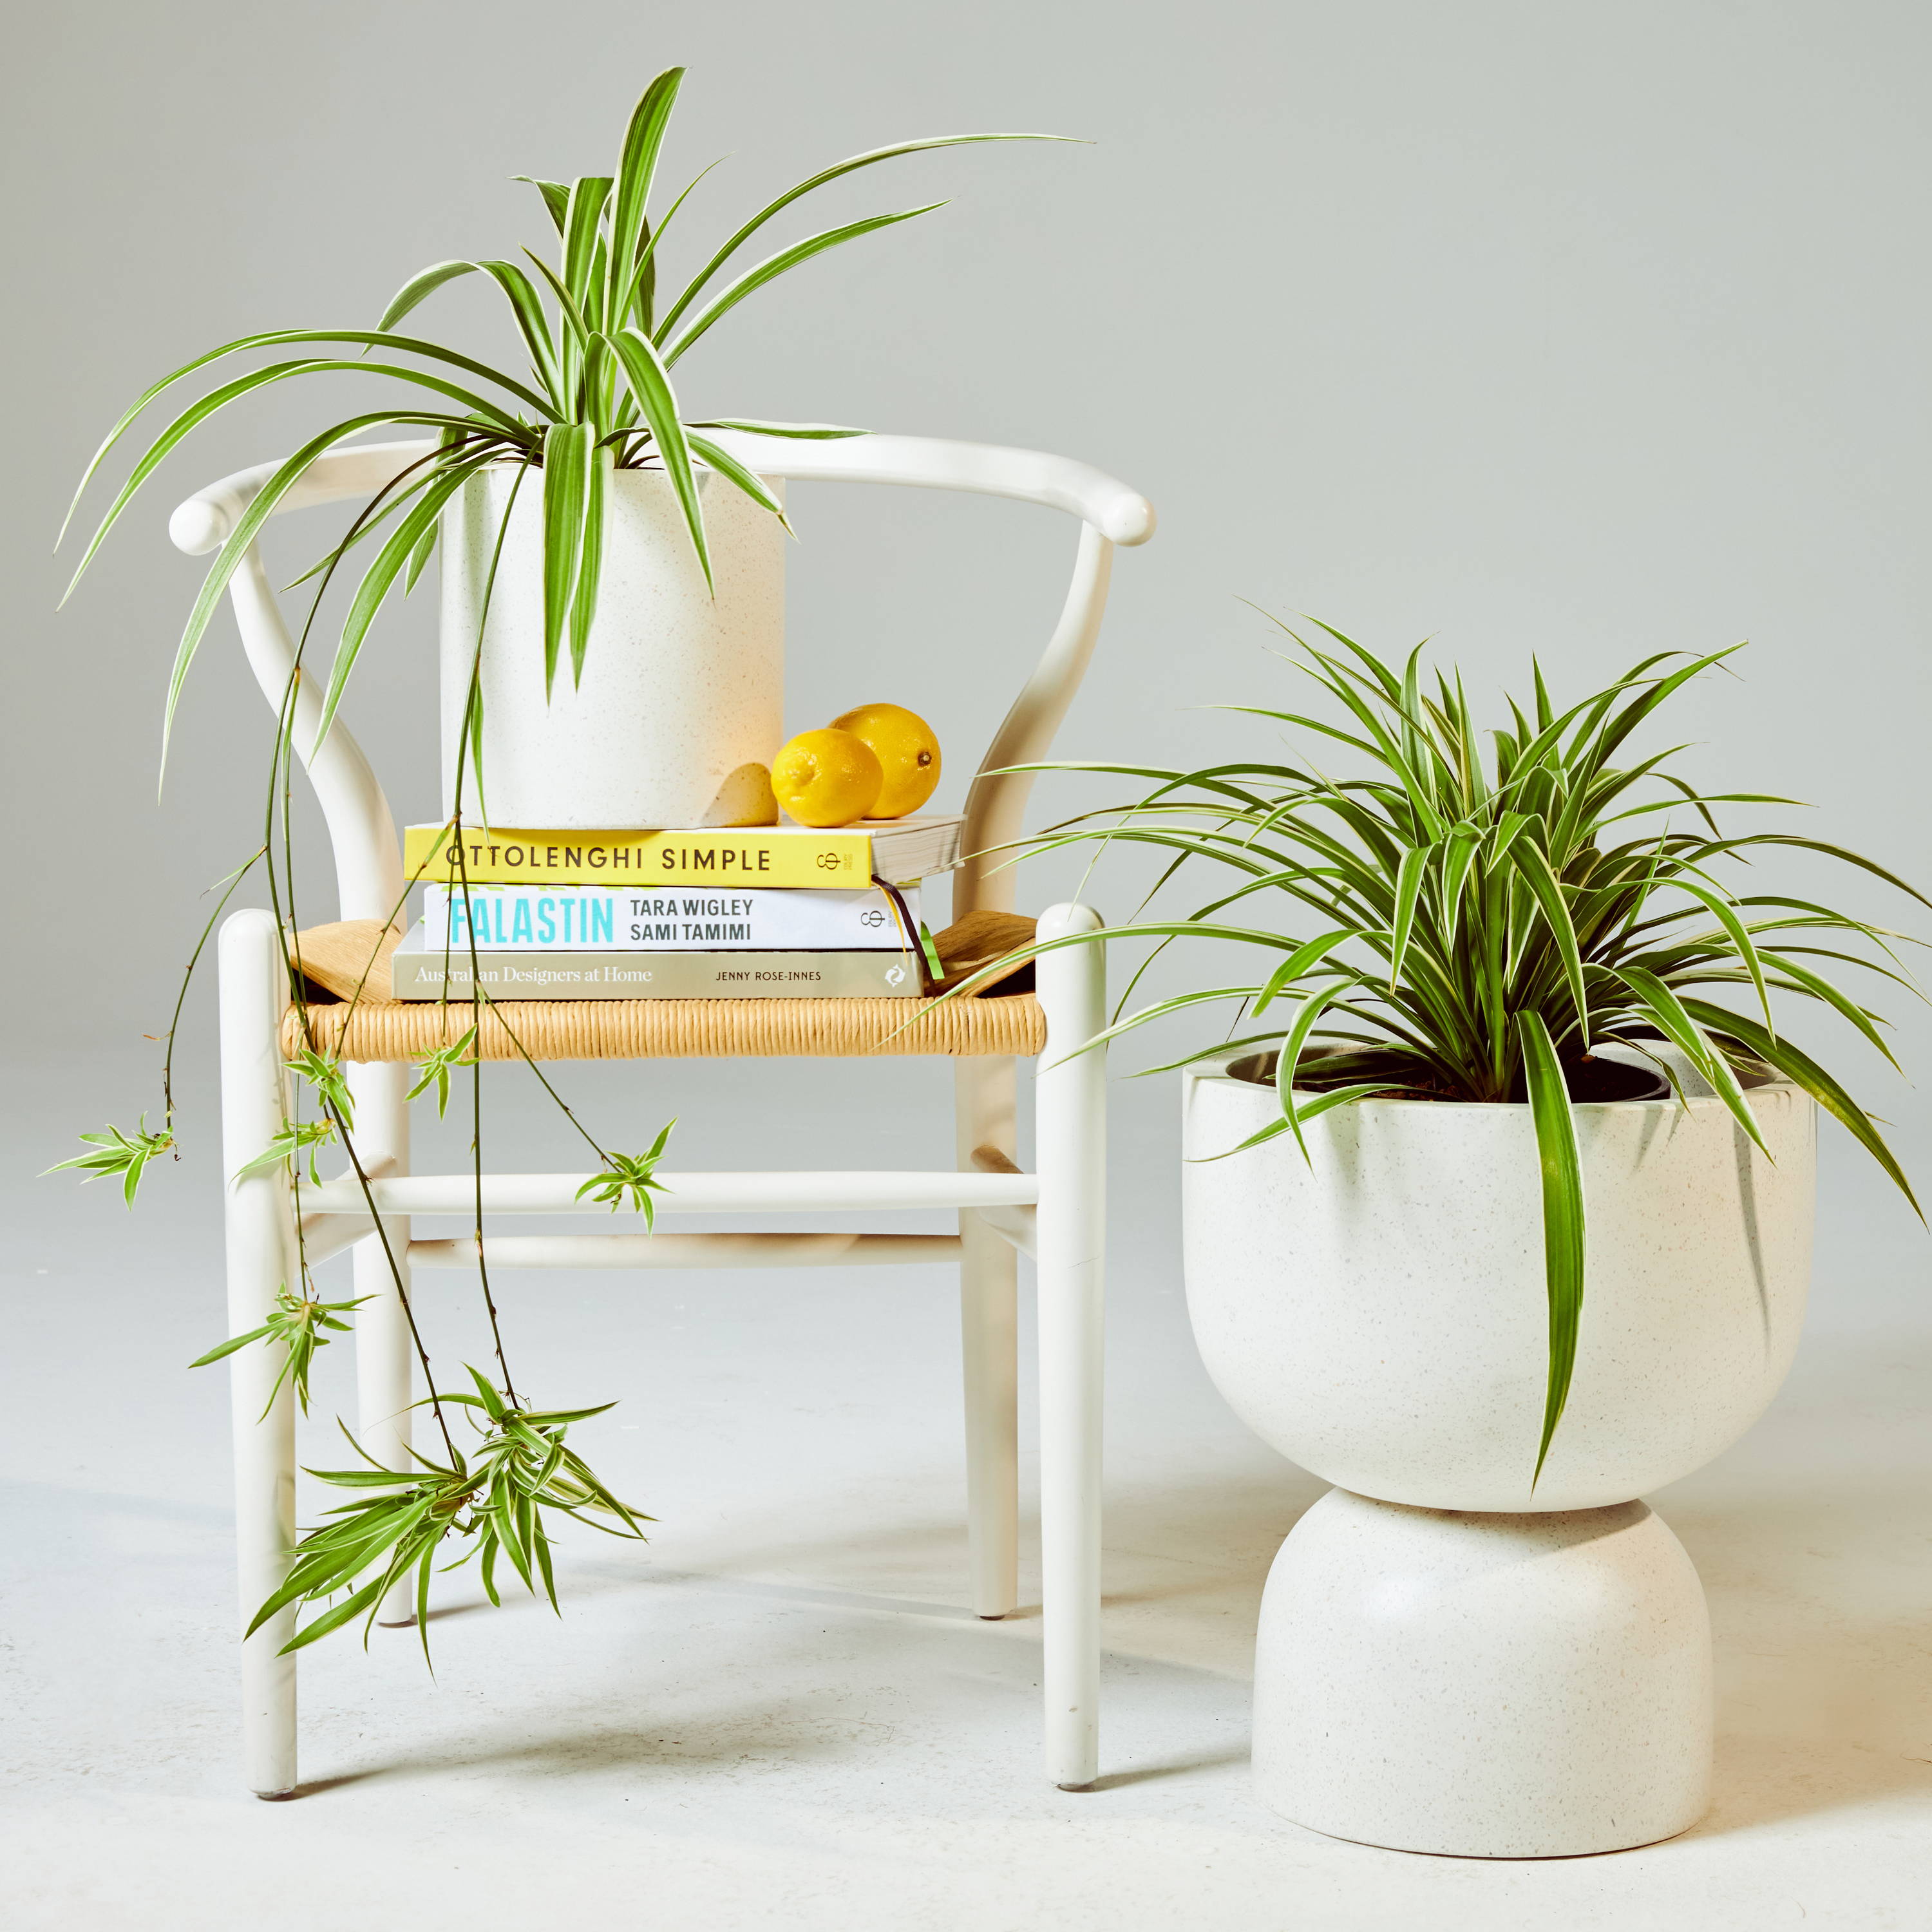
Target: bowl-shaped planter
x: 1378, y: 1313
x: 1449, y: 1659
x: 682, y: 694
x: 1511, y: 1287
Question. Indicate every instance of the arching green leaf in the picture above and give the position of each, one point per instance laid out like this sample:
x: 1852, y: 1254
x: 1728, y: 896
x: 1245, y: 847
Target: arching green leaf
x: 702, y: 279
x: 769, y: 270
x: 650, y: 383
x: 420, y: 286
x: 1563, y: 1217
x: 567, y: 449
x: 636, y: 169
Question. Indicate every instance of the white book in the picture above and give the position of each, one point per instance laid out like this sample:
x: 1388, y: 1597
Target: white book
x: 421, y: 971
x: 668, y: 919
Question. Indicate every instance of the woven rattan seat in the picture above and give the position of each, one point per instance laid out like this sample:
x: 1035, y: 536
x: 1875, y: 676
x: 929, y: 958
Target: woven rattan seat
x: 677, y: 1029
x: 353, y: 1017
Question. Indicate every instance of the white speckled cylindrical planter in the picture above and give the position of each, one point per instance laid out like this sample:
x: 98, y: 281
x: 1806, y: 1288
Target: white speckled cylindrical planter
x: 1377, y: 1313
x: 682, y: 693
x: 1503, y: 1686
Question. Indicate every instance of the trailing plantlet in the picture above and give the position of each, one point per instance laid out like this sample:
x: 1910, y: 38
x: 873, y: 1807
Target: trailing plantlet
x: 1460, y: 923
x: 300, y: 1325
x: 496, y: 1497
x: 126, y: 1155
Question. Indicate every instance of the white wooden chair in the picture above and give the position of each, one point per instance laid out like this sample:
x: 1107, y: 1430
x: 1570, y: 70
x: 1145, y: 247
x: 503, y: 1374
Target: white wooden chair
x: 1057, y: 1214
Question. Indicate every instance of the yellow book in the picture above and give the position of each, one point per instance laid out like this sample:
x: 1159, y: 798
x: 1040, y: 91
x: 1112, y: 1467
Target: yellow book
x: 899, y: 850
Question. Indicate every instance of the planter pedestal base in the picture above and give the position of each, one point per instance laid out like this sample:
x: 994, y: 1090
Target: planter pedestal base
x: 1532, y: 1686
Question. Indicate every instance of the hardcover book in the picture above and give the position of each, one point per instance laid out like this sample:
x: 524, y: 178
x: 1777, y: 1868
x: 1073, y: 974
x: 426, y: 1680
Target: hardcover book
x: 899, y: 850
x: 662, y: 919
x: 423, y: 970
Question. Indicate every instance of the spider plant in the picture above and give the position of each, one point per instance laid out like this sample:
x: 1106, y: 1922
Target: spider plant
x: 1463, y: 922
x: 596, y: 395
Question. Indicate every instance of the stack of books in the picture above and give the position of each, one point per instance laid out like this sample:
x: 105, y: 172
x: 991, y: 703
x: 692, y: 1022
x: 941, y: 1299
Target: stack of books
x: 780, y: 911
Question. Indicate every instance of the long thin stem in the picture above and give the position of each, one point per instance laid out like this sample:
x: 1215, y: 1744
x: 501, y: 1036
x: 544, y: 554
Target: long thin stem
x: 235, y: 879
x: 476, y: 994
x: 281, y: 769
x: 476, y: 1137
x: 395, y: 1273
x: 563, y: 1106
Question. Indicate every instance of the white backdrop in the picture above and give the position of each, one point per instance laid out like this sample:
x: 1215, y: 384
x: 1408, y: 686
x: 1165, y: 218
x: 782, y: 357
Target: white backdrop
x: 1533, y: 329
x: 1588, y: 331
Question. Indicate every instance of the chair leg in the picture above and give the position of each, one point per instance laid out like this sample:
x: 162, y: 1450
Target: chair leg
x: 260, y: 1250
x: 385, y: 1363
x: 983, y: 1092
x: 1071, y: 1107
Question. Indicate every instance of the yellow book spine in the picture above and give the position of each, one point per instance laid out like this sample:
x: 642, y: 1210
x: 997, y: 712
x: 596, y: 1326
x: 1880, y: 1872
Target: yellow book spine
x: 700, y: 858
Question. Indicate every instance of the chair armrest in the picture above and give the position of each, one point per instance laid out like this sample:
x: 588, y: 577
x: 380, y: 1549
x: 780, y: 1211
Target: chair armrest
x: 1121, y: 515
x: 205, y: 521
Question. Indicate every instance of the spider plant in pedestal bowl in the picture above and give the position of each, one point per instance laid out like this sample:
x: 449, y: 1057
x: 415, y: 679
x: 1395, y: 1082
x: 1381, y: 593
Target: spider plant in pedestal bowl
x: 1498, y: 1199
x: 1467, y: 940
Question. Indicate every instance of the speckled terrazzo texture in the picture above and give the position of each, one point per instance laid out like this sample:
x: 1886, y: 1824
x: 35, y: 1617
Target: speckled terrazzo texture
x: 1379, y: 1316
x: 1501, y: 1686
x: 679, y: 692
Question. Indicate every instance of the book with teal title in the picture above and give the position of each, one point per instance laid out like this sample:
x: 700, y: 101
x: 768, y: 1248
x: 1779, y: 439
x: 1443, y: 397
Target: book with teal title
x: 561, y: 918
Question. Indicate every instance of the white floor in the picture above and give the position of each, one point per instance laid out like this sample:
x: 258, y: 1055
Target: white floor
x: 780, y: 1713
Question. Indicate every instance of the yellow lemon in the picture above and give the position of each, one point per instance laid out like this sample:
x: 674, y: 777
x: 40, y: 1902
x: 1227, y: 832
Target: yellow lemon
x: 907, y: 751
x: 826, y: 777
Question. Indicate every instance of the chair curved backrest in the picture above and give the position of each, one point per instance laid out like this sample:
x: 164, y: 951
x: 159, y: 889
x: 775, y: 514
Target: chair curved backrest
x: 361, y: 830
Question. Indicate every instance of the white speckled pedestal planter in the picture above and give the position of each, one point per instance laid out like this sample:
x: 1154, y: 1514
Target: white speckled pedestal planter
x: 681, y: 692
x: 1522, y: 1686
x: 1449, y: 1661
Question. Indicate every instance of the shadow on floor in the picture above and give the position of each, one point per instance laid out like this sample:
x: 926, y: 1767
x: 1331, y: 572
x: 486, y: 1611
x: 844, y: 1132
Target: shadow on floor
x: 1145, y: 1774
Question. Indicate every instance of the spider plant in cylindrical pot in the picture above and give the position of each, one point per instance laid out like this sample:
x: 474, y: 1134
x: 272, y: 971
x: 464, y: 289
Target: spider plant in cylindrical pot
x: 1497, y: 1215
x: 585, y: 516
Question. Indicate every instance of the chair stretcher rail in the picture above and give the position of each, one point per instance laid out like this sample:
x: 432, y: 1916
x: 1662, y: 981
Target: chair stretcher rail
x: 839, y: 1192
x: 686, y: 1251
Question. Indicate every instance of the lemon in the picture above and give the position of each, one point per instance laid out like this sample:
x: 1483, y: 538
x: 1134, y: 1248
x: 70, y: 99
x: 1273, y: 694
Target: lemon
x: 827, y: 778
x: 907, y: 751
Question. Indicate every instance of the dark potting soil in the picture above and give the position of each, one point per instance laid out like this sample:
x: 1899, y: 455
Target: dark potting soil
x: 1590, y: 1078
